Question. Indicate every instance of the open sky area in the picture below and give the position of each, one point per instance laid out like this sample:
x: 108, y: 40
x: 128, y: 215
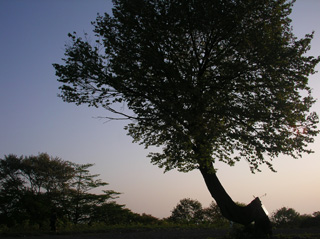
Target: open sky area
x: 33, y: 119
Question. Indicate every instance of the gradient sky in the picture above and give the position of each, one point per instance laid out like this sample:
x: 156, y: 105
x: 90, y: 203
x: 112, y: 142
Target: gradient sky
x: 33, y: 119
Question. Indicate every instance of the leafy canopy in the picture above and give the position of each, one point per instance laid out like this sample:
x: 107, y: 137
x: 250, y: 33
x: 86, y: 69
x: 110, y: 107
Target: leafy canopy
x: 205, y: 80
x: 33, y: 188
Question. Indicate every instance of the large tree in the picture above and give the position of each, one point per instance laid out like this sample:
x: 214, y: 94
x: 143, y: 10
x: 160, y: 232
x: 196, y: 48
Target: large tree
x: 205, y: 80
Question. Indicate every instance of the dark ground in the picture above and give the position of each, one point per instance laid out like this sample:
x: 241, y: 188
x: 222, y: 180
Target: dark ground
x: 174, y: 234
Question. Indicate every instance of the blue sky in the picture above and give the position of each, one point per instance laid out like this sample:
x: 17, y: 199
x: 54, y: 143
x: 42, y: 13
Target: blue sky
x: 33, y: 119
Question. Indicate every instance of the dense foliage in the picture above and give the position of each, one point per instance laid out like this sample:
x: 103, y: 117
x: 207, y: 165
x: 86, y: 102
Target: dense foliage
x: 205, y: 80
x: 43, y: 191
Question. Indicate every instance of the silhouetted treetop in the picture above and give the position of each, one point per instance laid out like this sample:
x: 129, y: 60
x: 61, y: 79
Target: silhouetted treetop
x: 224, y: 78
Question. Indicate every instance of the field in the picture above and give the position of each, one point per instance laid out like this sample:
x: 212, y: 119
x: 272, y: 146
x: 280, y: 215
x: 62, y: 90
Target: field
x: 172, y: 233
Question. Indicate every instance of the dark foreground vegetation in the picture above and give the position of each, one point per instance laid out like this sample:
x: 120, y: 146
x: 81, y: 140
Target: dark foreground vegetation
x: 165, y: 231
x: 46, y: 197
x: 45, y: 193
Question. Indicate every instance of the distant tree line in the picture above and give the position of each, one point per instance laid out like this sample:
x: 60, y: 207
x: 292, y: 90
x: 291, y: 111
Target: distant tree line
x: 44, y: 193
x: 190, y: 211
x: 48, y: 193
x: 290, y: 218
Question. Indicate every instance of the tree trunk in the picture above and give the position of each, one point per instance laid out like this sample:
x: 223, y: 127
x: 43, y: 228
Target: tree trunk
x: 253, y: 212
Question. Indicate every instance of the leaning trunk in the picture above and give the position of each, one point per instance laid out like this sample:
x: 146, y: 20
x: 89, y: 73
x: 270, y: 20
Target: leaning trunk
x: 253, y: 212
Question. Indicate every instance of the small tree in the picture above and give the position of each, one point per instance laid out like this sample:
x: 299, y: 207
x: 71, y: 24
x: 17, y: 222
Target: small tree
x: 187, y: 211
x: 285, y: 217
x: 82, y: 202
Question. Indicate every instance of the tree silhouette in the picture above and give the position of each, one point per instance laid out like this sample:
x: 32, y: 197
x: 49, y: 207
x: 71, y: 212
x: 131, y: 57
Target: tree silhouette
x: 41, y: 189
x: 187, y: 211
x: 285, y: 217
x: 204, y: 80
x: 82, y: 201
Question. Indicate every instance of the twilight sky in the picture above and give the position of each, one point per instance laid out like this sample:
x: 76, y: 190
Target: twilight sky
x: 33, y: 119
